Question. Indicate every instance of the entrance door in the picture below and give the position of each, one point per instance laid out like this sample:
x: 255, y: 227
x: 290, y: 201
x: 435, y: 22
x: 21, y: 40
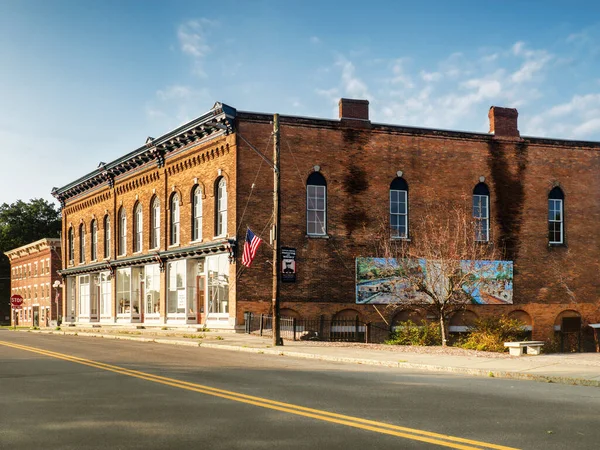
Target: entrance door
x: 36, y: 316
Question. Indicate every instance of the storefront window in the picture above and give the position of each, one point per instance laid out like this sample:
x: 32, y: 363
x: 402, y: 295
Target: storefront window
x: 176, y: 296
x: 218, y: 284
x: 123, y: 291
x: 152, y: 288
x: 105, y: 295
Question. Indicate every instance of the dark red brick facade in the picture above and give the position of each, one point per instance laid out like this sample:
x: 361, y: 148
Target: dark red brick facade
x: 358, y: 160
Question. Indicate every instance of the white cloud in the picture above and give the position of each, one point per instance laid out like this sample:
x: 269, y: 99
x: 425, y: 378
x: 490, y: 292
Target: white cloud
x: 193, y: 38
x: 315, y: 40
x: 352, y: 85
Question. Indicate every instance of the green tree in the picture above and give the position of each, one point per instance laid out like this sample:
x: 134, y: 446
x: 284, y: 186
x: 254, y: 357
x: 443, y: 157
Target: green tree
x: 21, y: 223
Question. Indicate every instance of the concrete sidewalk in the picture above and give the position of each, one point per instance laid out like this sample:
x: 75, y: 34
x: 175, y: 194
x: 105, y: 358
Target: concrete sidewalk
x: 573, y: 368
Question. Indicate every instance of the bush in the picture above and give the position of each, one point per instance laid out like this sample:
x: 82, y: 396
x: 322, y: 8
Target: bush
x: 490, y: 334
x: 410, y: 333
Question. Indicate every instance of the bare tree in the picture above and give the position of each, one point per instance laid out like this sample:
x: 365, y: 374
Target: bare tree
x: 443, y: 267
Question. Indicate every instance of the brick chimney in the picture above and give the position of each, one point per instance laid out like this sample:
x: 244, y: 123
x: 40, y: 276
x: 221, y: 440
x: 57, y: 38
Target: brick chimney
x: 503, y: 122
x: 354, y: 113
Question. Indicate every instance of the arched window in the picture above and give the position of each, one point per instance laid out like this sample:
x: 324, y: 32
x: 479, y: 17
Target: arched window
x: 71, y: 244
x: 399, y: 208
x: 221, y: 207
x: 197, y: 214
x: 138, y: 228
x: 174, y: 220
x: 481, y: 212
x: 122, y: 232
x: 556, y: 230
x: 94, y: 239
x: 106, y: 236
x: 81, y: 243
x: 316, y: 205
x: 155, y: 225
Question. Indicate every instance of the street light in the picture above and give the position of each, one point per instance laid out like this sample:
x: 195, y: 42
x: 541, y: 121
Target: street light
x: 57, y: 285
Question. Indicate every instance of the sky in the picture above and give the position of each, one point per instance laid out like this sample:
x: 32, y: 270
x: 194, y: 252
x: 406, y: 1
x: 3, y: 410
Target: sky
x: 86, y: 81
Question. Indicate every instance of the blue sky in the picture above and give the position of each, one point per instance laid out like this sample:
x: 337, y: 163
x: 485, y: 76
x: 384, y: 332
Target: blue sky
x: 87, y: 81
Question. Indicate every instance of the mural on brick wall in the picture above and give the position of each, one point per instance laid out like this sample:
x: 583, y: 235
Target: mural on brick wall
x: 384, y: 281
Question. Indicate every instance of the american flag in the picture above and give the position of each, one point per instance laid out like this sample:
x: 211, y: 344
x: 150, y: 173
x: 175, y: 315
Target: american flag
x: 250, y: 247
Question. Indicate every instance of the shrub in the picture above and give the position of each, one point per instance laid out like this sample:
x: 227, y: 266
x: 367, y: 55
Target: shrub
x: 490, y: 334
x: 410, y: 333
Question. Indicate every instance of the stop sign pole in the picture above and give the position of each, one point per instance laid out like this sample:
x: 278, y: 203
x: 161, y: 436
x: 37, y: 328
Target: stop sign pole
x: 16, y: 301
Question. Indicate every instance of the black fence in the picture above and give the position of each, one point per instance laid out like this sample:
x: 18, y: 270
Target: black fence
x: 321, y: 329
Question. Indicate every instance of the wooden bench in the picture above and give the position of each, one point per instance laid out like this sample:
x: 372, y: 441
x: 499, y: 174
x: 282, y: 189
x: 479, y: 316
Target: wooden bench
x: 517, y: 348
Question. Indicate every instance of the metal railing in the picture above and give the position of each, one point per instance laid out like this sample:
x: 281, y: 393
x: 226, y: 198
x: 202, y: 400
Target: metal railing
x: 321, y: 329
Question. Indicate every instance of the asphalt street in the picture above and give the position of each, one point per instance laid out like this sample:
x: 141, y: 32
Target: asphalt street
x: 130, y: 395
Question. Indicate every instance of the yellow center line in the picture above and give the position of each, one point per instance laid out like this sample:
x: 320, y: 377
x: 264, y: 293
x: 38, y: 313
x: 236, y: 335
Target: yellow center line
x: 355, y: 422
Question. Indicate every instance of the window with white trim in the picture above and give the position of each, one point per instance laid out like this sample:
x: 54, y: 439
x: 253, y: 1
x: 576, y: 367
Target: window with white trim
x: 316, y: 205
x: 174, y: 235
x: 221, y: 207
x: 138, y: 228
x: 399, y: 208
x: 197, y: 214
x: 107, y: 236
x: 81, y: 244
x: 155, y: 227
x: 481, y: 212
x: 556, y: 232
x: 122, y: 232
x: 94, y: 240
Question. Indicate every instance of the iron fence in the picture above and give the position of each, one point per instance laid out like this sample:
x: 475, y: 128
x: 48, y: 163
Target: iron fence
x: 321, y: 329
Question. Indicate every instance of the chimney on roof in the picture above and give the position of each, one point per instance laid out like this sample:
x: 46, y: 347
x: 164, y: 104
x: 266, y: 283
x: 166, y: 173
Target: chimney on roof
x: 354, y: 113
x: 503, y: 122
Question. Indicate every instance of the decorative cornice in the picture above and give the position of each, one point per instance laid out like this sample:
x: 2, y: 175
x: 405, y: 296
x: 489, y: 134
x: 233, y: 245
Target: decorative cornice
x: 220, y: 120
x: 33, y: 247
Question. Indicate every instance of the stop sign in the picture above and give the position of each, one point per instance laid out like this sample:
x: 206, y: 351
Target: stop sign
x: 16, y: 301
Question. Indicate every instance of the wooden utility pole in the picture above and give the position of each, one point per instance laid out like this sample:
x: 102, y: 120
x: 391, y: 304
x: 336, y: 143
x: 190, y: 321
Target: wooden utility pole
x: 276, y: 219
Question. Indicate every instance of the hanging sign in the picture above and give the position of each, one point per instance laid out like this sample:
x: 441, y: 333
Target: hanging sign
x: 288, y: 264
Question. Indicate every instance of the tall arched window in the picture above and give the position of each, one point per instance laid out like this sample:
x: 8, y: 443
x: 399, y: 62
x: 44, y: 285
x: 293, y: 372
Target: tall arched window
x: 221, y: 207
x: 556, y: 230
x: 316, y: 205
x: 174, y: 235
x: 138, y: 228
x: 122, y: 231
x: 481, y: 212
x: 94, y: 239
x: 197, y: 214
x: 399, y: 208
x: 81, y: 243
x: 155, y: 224
x: 71, y: 244
x: 106, y: 236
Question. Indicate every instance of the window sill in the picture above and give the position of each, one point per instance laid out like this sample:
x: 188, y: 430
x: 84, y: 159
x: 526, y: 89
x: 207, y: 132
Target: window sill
x: 317, y: 236
x: 556, y: 244
x: 155, y: 249
x: 197, y: 241
x: 221, y: 236
x: 404, y: 239
x: 137, y: 253
x: 174, y: 245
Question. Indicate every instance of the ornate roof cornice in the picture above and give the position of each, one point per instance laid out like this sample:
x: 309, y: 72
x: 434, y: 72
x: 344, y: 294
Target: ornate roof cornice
x: 218, y: 121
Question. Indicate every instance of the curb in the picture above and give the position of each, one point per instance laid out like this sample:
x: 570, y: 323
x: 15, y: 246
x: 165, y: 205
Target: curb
x: 370, y: 362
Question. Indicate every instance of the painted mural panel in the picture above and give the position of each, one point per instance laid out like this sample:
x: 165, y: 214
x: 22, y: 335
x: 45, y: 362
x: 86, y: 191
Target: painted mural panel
x: 384, y: 281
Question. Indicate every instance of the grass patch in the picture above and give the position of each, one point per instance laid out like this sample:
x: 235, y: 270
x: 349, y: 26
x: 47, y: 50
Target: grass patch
x: 194, y: 336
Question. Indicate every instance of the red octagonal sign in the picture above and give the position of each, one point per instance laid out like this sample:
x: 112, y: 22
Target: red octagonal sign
x: 16, y: 301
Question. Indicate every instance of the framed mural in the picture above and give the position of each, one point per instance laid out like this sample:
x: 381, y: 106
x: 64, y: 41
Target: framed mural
x: 385, y: 281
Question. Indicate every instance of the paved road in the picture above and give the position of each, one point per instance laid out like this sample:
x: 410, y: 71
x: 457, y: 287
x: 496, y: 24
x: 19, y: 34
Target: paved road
x: 148, y: 396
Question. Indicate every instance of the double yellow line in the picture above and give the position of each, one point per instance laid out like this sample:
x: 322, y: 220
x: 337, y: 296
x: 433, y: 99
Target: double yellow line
x: 354, y: 422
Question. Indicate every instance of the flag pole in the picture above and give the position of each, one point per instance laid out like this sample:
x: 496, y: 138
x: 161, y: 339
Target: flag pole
x: 276, y: 220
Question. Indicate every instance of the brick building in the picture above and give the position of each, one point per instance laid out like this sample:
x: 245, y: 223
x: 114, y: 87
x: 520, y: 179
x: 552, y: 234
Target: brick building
x: 33, y: 273
x: 155, y: 237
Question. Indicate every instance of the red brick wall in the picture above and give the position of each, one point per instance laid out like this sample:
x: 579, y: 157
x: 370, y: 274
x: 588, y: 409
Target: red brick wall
x: 360, y: 164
